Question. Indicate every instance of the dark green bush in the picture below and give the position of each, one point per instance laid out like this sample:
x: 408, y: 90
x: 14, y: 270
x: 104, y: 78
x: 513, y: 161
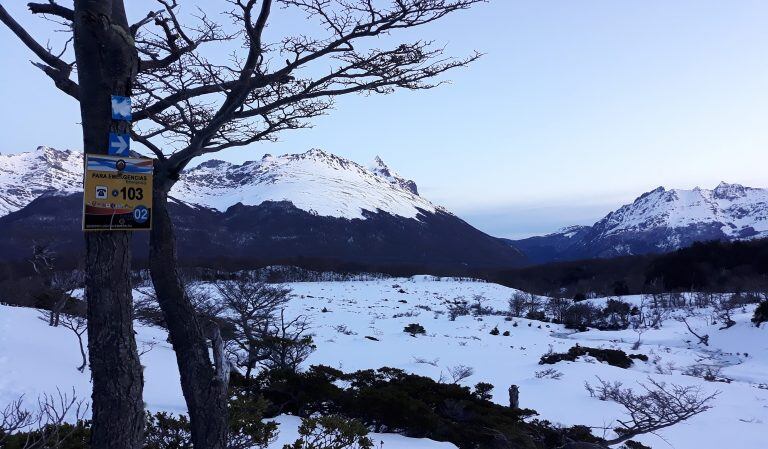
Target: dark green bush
x: 613, y: 357
x: 761, y: 313
x: 415, y: 329
x: 391, y: 400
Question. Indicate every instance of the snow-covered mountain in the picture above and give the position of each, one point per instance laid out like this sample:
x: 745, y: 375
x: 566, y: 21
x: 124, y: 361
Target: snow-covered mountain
x: 658, y: 221
x: 316, y: 181
x: 26, y: 176
x: 312, y: 209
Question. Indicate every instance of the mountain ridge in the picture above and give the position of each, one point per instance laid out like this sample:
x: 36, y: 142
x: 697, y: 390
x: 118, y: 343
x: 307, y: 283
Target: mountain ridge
x: 660, y: 220
x: 314, y: 210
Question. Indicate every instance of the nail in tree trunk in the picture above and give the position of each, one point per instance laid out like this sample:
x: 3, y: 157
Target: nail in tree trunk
x: 106, y: 65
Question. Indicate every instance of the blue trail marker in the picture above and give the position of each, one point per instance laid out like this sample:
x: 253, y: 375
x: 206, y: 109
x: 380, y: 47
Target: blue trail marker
x: 119, y: 144
x: 121, y: 108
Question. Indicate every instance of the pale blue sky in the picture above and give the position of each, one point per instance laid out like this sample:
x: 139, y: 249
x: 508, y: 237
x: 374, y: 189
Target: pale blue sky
x: 577, y: 107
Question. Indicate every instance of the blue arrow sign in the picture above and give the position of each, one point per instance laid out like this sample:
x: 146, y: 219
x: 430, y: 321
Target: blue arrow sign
x: 119, y: 144
x: 121, y: 108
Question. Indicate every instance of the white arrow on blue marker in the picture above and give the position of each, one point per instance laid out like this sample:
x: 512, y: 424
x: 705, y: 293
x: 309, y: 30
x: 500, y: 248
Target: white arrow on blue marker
x: 119, y: 144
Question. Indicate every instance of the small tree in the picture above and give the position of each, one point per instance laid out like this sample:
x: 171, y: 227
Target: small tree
x: 252, y: 309
x: 460, y: 372
x: 723, y: 307
x: 288, y: 344
x: 483, y: 391
x: 761, y: 313
x: 556, y: 307
x: 457, y: 307
x: 517, y: 304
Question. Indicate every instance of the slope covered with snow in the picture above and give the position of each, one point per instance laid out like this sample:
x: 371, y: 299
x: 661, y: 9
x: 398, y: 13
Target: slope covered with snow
x: 315, y: 181
x: 658, y: 221
x: 354, y: 310
x: 736, y: 210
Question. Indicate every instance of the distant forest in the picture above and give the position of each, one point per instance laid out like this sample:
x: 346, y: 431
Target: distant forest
x: 704, y: 266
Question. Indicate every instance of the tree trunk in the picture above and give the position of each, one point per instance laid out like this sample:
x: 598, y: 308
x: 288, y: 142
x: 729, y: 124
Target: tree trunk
x: 205, y: 391
x: 106, y: 64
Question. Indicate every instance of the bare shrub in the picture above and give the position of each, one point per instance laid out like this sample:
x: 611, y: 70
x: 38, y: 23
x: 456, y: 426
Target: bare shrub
x: 556, y: 307
x: 723, y: 308
x: 517, y: 304
x: 45, y: 427
x: 457, y: 307
x: 549, y: 373
x: 658, y: 407
x: 458, y: 373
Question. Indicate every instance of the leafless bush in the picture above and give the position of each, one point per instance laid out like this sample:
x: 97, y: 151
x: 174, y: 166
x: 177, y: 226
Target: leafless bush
x: 458, y: 373
x: 653, y: 310
x: 556, y: 307
x: 457, y: 307
x: 710, y: 373
x: 549, y: 373
x: 517, y: 304
x: 723, y: 308
x: 423, y: 361
x: 343, y: 329
x: 478, y: 306
x: 45, y: 428
x: 658, y: 407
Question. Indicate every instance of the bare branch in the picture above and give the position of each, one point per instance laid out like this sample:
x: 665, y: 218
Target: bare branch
x: 52, y: 8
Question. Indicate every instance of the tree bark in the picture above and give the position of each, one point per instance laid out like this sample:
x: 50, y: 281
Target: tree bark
x: 106, y: 64
x: 205, y: 389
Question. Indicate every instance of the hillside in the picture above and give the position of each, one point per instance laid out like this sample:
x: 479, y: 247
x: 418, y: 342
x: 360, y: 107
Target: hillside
x: 381, y: 308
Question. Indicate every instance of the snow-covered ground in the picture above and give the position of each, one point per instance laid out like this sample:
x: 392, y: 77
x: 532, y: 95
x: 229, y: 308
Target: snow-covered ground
x: 35, y: 358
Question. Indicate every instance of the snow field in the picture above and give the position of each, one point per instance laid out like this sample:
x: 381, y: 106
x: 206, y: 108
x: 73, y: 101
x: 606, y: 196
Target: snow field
x: 35, y: 358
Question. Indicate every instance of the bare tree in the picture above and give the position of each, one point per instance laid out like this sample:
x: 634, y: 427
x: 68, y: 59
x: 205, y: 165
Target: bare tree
x: 660, y: 406
x: 79, y: 326
x: 252, y: 308
x: 703, y: 339
x: 289, y: 343
x: 556, y: 306
x: 45, y: 427
x: 517, y: 304
x: 188, y: 103
x: 458, y: 373
x: 638, y: 326
x: 723, y: 306
x: 104, y: 58
x: 188, y: 106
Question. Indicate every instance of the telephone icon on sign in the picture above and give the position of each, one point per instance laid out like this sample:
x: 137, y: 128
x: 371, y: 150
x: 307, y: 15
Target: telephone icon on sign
x: 101, y: 192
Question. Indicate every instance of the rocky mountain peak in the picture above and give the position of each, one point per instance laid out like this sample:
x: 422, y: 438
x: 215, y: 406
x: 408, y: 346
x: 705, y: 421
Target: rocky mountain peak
x: 380, y: 168
x: 727, y: 191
